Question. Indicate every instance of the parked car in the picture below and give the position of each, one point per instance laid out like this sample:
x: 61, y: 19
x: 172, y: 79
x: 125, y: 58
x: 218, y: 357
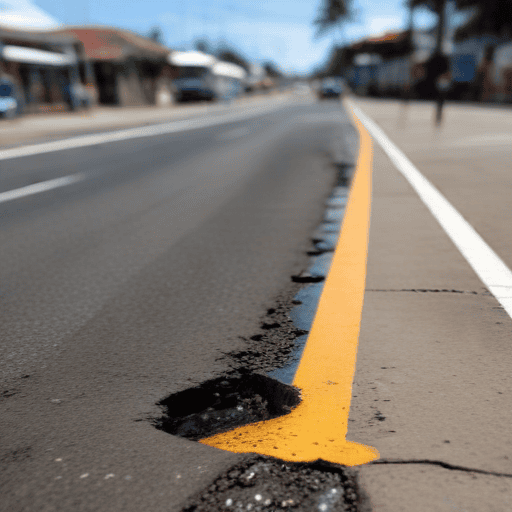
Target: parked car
x: 331, y: 88
x: 8, y: 102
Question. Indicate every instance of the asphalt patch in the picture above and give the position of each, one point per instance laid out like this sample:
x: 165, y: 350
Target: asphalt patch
x: 266, y: 484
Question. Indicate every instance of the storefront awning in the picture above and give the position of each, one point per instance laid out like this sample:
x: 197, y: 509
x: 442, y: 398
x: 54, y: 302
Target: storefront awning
x: 33, y: 56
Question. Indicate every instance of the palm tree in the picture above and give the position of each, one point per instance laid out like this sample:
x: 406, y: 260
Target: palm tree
x: 438, y: 63
x: 490, y: 17
x: 333, y: 13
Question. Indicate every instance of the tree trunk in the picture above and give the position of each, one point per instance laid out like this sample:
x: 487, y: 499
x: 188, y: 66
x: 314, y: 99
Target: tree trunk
x: 441, y: 25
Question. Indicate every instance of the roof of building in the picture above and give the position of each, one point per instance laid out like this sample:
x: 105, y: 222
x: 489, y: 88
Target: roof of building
x: 383, y: 44
x: 108, y: 43
x: 35, y: 37
x: 384, y: 37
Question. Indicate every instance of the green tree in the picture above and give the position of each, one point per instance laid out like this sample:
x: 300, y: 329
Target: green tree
x: 202, y: 45
x: 272, y: 70
x: 491, y: 17
x: 157, y: 35
x: 231, y: 55
x: 332, y: 14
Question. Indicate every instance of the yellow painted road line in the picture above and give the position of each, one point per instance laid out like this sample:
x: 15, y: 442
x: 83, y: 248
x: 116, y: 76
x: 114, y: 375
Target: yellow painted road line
x: 317, y: 427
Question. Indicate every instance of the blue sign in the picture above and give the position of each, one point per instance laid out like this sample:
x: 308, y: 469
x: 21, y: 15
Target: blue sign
x: 463, y: 68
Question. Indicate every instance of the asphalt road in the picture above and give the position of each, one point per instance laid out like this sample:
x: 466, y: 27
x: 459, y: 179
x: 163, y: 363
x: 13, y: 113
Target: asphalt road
x: 129, y: 285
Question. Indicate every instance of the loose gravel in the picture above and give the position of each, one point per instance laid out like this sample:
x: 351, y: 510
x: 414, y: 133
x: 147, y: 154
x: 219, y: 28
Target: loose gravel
x: 264, y: 484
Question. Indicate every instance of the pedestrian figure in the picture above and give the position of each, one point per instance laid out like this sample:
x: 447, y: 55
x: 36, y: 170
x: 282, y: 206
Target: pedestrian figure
x: 443, y: 86
x: 438, y: 80
x: 484, y: 84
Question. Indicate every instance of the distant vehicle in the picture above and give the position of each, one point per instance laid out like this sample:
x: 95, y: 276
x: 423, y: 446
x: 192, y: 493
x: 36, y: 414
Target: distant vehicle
x: 8, y: 102
x: 331, y: 88
x: 80, y: 96
x: 203, y: 77
x: 229, y: 80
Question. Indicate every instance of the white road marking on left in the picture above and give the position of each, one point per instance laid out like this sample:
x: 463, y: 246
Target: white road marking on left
x: 177, y: 126
x: 37, y: 188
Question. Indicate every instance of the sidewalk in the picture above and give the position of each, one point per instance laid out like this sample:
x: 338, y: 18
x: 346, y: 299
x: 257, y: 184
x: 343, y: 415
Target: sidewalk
x: 38, y: 128
x: 432, y: 390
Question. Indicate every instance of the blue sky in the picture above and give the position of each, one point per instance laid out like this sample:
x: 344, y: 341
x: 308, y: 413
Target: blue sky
x: 279, y: 30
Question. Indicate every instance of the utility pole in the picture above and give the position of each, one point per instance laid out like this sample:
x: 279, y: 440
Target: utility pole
x: 441, y: 25
x: 410, y: 84
x: 438, y: 66
x: 1, y: 59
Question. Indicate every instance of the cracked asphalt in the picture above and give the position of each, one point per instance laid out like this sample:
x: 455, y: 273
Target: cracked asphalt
x: 133, y: 284
x: 176, y: 263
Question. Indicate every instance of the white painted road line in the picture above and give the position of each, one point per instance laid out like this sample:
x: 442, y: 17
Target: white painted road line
x: 37, y: 188
x: 489, y: 267
x: 135, y: 133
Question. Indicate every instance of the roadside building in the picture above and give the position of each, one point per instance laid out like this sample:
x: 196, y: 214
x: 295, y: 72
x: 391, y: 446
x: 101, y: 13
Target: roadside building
x: 363, y: 74
x: 396, y: 64
x: 502, y: 72
x: 378, y: 65
x: 472, y: 67
x: 119, y: 67
x: 389, y: 64
x: 41, y: 66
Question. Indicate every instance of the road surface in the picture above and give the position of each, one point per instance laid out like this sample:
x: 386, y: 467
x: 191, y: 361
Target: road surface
x: 149, y: 262
x: 130, y: 284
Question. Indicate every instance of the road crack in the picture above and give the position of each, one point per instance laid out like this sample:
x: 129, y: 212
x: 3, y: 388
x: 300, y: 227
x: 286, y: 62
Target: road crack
x: 421, y: 290
x: 440, y: 463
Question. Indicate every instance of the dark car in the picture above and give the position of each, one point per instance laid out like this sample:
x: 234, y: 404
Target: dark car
x: 330, y: 88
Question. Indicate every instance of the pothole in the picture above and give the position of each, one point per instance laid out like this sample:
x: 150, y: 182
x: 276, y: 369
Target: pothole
x: 222, y: 404
x: 264, y: 484
x: 258, y: 387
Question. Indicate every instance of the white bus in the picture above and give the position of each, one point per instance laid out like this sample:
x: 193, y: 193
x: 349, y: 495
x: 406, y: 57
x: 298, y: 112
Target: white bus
x: 203, y: 77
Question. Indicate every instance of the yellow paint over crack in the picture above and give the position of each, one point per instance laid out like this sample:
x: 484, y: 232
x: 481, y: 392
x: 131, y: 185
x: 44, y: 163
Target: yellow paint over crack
x: 317, y: 427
